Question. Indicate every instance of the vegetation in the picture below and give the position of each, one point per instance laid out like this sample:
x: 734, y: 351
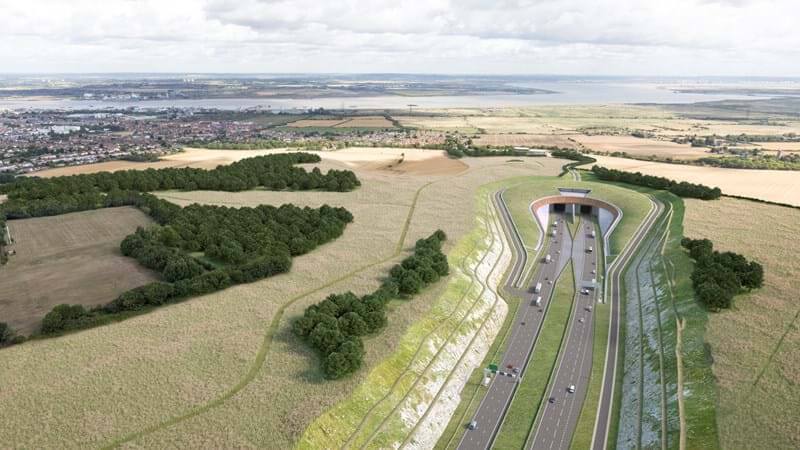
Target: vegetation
x: 32, y: 197
x: 141, y: 157
x: 719, y: 276
x: 765, y: 162
x: 248, y: 244
x: 681, y: 189
x: 257, y: 144
x: 573, y: 155
x: 8, y: 335
x: 334, y: 326
x: 458, y: 149
x: 237, y: 245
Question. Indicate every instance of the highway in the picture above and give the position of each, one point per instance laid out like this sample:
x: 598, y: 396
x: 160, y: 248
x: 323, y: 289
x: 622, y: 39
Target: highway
x: 524, y: 332
x: 615, y: 270
x: 559, y: 416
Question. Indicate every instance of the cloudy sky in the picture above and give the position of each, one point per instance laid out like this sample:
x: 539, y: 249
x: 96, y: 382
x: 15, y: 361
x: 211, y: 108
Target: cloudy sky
x: 606, y: 37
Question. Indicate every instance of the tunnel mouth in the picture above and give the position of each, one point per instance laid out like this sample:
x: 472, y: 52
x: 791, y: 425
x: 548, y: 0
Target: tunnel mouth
x: 568, y: 203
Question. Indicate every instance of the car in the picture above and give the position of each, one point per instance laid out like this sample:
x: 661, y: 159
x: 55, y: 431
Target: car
x: 589, y: 308
x: 585, y: 291
x: 473, y: 425
x: 594, y: 272
x: 515, y: 370
x: 580, y: 320
x: 551, y: 400
x: 523, y: 324
x: 571, y: 389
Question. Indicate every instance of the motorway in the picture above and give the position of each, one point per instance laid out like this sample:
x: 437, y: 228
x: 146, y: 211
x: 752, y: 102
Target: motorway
x: 524, y: 333
x: 557, y: 420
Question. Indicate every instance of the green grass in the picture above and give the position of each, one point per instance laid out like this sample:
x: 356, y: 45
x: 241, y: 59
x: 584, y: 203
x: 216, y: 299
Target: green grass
x: 522, y: 412
x: 582, y: 438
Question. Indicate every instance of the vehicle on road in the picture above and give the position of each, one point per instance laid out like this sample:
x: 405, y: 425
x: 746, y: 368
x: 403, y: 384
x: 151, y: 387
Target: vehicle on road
x: 571, y: 389
x: 585, y: 291
x: 581, y: 320
x: 537, y: 288
x: 551, y: 400
x: 538, y: 301
x: 515, y: 370
x: 590, y: 249
x: 547, y: 259
x: 473, y: 425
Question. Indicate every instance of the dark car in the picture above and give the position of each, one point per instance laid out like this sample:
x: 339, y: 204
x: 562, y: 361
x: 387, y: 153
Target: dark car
x: 551, y: 400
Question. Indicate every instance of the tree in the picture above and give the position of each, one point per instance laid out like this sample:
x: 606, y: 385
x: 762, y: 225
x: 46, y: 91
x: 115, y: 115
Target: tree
x: 352, y: 324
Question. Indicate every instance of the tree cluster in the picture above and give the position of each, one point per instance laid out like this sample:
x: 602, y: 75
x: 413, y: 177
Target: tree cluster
x: 237, y: 245
x: 719, y: 276
x: 681, y: 189
x: 32, y: 197
x: 334, y: 327
x: 572, y: 155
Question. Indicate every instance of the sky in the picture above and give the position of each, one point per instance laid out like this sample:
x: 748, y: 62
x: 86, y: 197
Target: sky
x: 580, y: 37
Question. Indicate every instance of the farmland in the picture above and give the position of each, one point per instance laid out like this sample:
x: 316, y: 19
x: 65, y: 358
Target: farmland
x: 754, y: 345
x: 639, y: 147
x: 776, y: 186
x: 72, y: 258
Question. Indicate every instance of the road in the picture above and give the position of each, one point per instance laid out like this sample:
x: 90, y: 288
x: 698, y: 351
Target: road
x: 524, y: 332
x: 557, y: 419
x: 615, y: 270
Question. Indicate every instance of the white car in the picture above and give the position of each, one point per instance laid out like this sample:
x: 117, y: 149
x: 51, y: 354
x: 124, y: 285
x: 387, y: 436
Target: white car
x: 571, y: 389
x: 585, y: 291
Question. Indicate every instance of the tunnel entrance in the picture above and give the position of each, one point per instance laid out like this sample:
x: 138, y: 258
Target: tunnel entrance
x: 559, y: 207
x: 586, y: 209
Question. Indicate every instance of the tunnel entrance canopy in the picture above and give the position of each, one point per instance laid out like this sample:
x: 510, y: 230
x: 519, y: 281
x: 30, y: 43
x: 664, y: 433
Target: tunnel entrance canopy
x: 577, y: 201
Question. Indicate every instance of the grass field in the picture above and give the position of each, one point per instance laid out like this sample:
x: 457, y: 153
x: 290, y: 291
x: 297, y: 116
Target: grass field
x: 223, y: 369
x: 525, y: 139
x: 639, y: 147
x: 72, y: 258
x: 525, y: 406
x: 773, y: 185
x: 754, y: 345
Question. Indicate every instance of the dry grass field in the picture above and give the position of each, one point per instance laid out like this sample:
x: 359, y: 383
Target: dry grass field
x: 781, y: 186
x: 305, y: 123
x: 526, y: 140
x: 73, y: 258
x: 640, y: 147
x: 755, y: 345
x: 780, y: 146
x: 366, y: 122
x: 229, y: 356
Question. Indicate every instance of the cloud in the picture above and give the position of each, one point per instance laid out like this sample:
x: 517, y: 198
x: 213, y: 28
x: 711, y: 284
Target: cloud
x: 524, y: 36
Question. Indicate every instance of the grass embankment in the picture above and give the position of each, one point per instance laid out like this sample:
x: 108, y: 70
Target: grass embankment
x: 582, y: 437
x: 522, y: 412
x: 370, y: 416
x: 660, y: 280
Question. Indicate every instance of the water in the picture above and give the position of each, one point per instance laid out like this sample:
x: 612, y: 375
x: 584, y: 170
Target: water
x: 566, y: 93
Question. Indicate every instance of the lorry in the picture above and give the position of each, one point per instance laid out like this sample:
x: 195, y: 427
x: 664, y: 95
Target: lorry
x: 538, y: 288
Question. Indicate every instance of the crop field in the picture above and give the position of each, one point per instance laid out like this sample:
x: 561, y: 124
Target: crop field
x: 754, y: 345
x: 72, y: 258
x: 641, y: 147
x: 526, y: 140
x: 781, y: 186
x: 321, y: 123
x: 366, y: 122
x: 224, y: 368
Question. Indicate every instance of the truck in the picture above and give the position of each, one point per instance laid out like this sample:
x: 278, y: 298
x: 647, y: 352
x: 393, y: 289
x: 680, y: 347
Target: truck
x: 547, y: 259
x: 537, y: 288
x: 538, y: 301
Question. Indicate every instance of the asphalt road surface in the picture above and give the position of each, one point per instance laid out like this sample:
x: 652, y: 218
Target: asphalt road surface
x: 524, y: 332
x: 604, y: 410
x: 559, y: 417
